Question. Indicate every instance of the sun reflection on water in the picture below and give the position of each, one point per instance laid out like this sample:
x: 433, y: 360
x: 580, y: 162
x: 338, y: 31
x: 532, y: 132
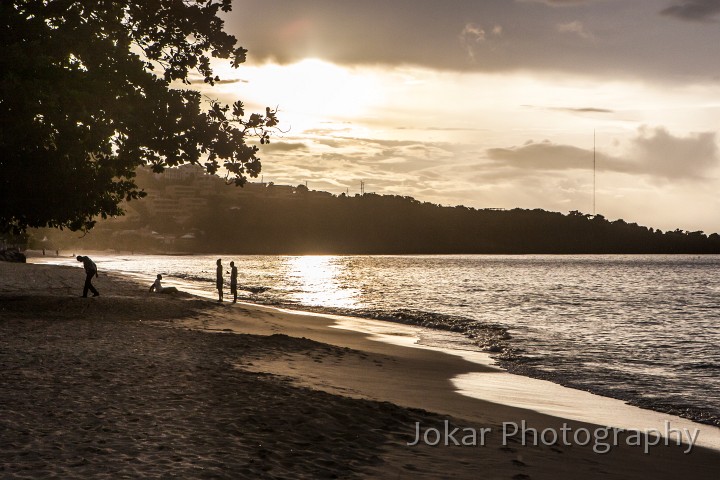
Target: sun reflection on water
x: 319, y: 281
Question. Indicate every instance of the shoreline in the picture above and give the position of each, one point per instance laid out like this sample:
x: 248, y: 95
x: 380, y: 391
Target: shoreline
x: 626, y: 415
x: 485, y: 380
x: 307, y: 356
x: 542, y: 396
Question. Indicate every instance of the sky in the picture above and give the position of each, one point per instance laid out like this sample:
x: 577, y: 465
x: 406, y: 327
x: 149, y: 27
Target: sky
x: 492, y: 103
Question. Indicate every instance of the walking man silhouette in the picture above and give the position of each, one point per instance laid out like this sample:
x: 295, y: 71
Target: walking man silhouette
x: 90, y: 272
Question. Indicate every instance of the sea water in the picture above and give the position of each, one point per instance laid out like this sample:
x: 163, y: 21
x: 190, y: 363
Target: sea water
x: 641, y: 328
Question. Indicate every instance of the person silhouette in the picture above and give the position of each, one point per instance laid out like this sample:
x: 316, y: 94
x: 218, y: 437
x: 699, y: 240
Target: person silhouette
x: 219, y: 280
x: 233, y: 281
x: 158, y: 288
x: 90, y: 272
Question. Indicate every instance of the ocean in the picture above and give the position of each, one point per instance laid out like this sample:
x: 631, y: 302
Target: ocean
x: 640, y: 328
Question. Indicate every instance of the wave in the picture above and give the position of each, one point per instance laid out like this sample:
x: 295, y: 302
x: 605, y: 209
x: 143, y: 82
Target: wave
x: 701, y: 366
x: 492, y: 338
x: 194, y: 278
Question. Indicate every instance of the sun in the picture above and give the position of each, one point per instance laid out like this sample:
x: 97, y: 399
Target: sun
x: 312, y: 89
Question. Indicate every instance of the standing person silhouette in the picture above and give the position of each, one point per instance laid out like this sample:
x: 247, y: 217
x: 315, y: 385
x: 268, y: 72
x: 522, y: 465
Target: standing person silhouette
x: 219, y: 280
x: 90, y: 272
x: 233, y: 281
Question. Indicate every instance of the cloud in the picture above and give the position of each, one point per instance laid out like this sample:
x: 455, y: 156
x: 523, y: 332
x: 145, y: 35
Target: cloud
x: 675, y: 157
x: 559, y: 3
x: 497, y: 36
x: 284, y: 147
x: 339, y: 162
x: 473, y: 35
x: 575, y: 27
x: 550, y: 156
x: 219, y: 82
x: 231, y: 80
x: 694, y: 10
x: 586, y: 110
x: 654, y: 152
x: 573, y: 109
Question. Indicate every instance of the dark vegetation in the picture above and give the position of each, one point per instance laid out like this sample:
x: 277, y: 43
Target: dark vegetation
x: 317, y: 222
x: 402, y: 225
x: 91, y: 90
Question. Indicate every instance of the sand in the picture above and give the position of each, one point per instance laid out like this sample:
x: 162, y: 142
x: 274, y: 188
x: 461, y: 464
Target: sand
x: 136, y: 385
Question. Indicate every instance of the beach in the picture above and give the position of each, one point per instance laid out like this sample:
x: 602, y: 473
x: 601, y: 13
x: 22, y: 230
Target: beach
x: 132, y: 384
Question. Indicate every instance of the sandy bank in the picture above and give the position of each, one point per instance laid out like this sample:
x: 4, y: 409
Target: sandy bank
x: 119, y: 385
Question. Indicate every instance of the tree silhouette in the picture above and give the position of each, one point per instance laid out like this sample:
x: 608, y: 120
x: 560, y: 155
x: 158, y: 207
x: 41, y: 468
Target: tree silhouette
x: 90, y: 90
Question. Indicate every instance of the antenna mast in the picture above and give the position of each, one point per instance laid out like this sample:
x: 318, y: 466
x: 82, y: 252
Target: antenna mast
x: 594, y: 164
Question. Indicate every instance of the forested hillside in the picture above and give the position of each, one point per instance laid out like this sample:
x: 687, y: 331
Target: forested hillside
x: 306, y: 222
x: 392, y: 224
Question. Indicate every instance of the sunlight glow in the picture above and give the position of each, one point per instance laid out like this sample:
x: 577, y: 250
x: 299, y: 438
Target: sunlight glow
x: 319, y: 279
x: 308, y: 93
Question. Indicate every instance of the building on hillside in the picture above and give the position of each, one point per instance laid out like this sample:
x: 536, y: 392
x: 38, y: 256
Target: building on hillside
x: 181, y: 173
x: 206, y: 182
x: 164, y: 207
x: 181, y: 191
x: 278, y: 191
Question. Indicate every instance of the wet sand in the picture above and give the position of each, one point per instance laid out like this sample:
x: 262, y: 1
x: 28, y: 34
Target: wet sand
x: 135, y: 385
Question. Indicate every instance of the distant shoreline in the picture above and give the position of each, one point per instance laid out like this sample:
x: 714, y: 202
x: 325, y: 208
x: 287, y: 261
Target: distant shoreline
x: 37, y: 253
x: 316, y: 223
